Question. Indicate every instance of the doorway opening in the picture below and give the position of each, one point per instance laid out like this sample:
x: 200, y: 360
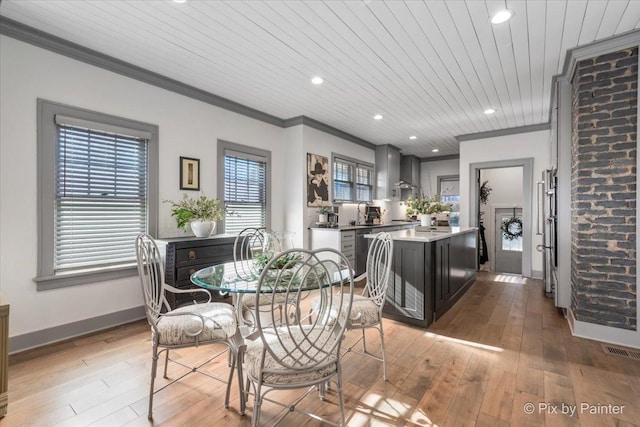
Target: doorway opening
x: 507, y: 204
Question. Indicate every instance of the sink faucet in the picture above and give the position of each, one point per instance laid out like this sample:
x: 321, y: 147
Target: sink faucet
x: 358, y: 218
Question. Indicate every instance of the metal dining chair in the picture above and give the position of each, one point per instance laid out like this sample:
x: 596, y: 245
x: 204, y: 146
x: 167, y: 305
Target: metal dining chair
x: 248, y: 247
x: 297, y: 354
x: 188, y: 326
x: 366, y: 311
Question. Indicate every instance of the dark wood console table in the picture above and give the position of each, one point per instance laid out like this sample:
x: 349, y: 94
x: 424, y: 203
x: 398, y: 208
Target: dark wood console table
x: 185, y: 256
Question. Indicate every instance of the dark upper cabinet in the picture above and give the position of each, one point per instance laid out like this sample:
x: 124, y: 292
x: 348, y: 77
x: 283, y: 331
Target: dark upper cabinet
x: 387, y: 172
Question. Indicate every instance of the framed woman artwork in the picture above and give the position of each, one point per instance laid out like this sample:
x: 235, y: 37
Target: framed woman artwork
x: 317, y: 180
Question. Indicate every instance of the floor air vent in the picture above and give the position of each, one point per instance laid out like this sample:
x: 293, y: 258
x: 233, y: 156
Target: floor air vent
x: 621, y: 351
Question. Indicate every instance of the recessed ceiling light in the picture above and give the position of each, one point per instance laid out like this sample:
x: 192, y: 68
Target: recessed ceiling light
x: 435, y: 150
x: 489, y: 111
x: 378, y: 117
x: 179, y: 1
x: 317, y: 80
x: 412, y: 137
x: 501, y: 16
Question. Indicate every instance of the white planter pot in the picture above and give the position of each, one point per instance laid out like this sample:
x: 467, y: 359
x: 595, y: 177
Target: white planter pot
x: 425, y: 220
x: 203, y: 228
x: 323, y: 218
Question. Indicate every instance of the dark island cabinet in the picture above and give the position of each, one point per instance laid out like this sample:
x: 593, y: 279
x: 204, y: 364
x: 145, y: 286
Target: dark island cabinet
x: 408, y: 298
x: 427, y: 278
x: 455, y: 269
x: 185, y: 256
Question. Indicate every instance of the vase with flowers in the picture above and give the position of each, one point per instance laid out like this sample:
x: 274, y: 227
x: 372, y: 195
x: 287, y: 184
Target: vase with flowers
x: 200, y: 214
x: 419, y: 206
x: 438, y: 210
x: 426, y: 207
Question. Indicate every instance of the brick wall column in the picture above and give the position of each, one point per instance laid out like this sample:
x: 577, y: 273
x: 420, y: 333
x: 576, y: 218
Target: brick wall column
x: 603, y: 190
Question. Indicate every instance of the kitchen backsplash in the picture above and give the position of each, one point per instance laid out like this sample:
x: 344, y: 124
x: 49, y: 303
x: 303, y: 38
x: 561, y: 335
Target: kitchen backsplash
x: 348, y: 212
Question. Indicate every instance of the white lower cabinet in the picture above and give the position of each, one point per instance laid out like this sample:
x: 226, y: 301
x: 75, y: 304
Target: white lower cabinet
x: 342, y: 241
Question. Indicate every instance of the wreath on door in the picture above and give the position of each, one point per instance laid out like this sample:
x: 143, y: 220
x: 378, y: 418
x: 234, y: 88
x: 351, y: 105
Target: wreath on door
x: 512, y: 227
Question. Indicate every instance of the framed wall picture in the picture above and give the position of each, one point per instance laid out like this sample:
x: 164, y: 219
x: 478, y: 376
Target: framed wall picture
x: 189, y: 174
x: 317, y: 180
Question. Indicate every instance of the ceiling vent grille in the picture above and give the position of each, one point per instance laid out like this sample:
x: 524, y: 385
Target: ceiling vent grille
x: 621, y: 351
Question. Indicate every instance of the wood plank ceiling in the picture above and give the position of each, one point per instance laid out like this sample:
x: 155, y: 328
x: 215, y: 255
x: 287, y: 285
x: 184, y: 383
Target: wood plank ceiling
x: 429, y: 67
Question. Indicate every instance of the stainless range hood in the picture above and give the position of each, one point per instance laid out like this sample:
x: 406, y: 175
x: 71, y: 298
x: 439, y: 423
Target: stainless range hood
x: 403, y: 185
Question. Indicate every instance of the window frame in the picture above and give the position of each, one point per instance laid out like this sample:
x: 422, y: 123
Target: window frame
x: 354, y: 193
x: 223, y: 146
x: 47, y: 147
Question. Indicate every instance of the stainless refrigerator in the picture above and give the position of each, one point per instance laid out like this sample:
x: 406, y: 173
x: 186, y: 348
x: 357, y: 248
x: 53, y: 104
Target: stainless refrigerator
x: 546, y: 227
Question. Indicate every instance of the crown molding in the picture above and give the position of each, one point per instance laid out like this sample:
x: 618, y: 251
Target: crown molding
x: 313, y: 123
x: 27, y: 34
x: 600, y: 47
x: 435, y: 159
x: 503, y: 132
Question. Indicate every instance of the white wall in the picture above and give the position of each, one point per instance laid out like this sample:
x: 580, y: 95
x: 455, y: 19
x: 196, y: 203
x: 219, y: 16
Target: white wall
x: 430, y: 171
x: 186, y: 128
x: 295, y: 169
x: 518, y: 146
x: 317, y: 142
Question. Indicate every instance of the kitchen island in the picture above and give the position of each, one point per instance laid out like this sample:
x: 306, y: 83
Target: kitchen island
x: 431, y: 270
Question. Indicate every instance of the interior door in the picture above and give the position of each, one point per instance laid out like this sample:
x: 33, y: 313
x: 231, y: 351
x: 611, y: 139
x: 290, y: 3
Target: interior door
x: 508, y: 251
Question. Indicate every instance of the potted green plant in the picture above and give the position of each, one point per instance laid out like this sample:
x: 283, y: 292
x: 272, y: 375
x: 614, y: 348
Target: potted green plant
x: 323, y: 213
x: 436, y: 206
x: 200, y: 213
x: 438, y: 210
x: 419, y: 206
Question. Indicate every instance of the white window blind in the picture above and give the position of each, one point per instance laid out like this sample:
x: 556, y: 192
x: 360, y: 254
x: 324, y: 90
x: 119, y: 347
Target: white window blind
x: 245, y: 191
x: 343, y: 175
x: 352, y: 182
x: 101, y: 197
x: 364, y: 183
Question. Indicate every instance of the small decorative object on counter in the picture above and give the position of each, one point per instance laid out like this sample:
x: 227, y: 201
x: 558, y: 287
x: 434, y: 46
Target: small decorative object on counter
x: 199, y: 213
x: 323, y: 214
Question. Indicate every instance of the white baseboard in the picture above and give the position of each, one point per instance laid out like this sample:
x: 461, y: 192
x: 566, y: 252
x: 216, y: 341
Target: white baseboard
x: 536, y: 274
x: 603, y: 333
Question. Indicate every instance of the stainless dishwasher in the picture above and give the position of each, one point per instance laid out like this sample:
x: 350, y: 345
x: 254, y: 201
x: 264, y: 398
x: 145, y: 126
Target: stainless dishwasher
x: 362, y: 247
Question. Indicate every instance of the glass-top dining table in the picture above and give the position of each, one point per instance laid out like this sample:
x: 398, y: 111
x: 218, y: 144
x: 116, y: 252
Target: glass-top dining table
x: 227, y: 278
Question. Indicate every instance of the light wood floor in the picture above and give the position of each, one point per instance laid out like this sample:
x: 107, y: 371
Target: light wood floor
x: 502, y: 346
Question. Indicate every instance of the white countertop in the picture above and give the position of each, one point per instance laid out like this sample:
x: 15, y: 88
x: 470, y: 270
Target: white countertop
x: 361, y: 226
x: 412, y: 235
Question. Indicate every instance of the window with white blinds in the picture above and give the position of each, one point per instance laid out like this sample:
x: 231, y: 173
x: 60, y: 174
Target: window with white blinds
x: 352, y: 181
x: 97, y: 189
x: 364, y: 183
x: 343, y: 174
x: 101, y: 197
x: 245, y: 191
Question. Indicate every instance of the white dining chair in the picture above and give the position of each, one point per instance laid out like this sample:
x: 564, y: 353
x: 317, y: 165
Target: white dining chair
x: 248, y: 249
x: 188, y: 326
x: 366, y: 311
x: 296, y: 354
